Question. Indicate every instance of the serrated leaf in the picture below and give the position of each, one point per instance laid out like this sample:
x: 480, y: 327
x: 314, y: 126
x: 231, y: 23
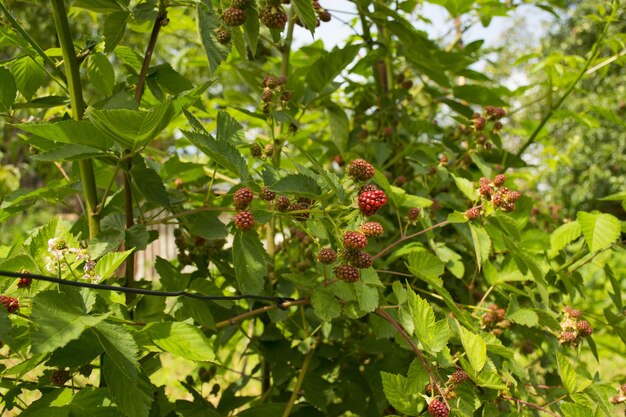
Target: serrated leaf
x: 182, y: 339
x: 366, y: 296
x: 601, y: 230
x: 339, y: 126
x: 150, y: 186
x: 101, y: 73
x: 249, y: 259
x: 207, y: 23
x: 251, y: 29
x: 457, y: 217
x: 207, y: 225
x: 524, y: 317
x: 567, y: 373
x: 93, y: 402
x: 425, y: 265
x: 221, y: 152
x: 29, y: 75
x: 69, y: 131
x: 482, y: 243
x: 170, y: 278
x: 394, y: 387
x: 330, y: 65
x: 114, y: 28
x: 478, y: 94
x: 8, y: 89
x: 576, y: 410
x: 297, y: 184
x: 304, y: 10
x: 325, y: 305
x: 564, y: 235
x: 100, y: 6
x: 59, y: 317
x: 475, y: 349
x: 423, y: 320
x: 466, y: 187
x: 107, y: 265
x: 227, y: 126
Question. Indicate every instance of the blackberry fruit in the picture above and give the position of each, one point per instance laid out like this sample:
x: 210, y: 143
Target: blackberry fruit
x: 360, y: 170
x: 508, y: 207
x: 513, y: 196
x: 282, y: 203
x: 366, y: 188
x: 347, y: 273
x: 327, y: 256
x: 274, y: 17
x: 267, y: 95
x: 413, y: 214
x: 567, y: 337
x: 437, y: 409
x: 24, y: 283
x: 222, y: 35
x: 479, y: 123
x: 10, y: 303
x: 572, y: 312
x: 270, y: 81
x: 242, y: 198
x: 266, y: 194
x: 399, y: 181
x: 371, y: 201
x: 59, y: 377
x: 244, y: 220
x: 324, y: 15
x: 497, y: 126
x: 584, y: 328
x: 497, y: 199
x: 241, y: 4
x: 354, y: 240
x: 458, y: 377
x: 299, y: 207
x: 372, y: 229
x: 499, y: 180
x: 362, y: 260
x: 269, y: 150
x: 495, y: 113
x: 233, y: 16
x: 256, y: 150
x: 472, y: 213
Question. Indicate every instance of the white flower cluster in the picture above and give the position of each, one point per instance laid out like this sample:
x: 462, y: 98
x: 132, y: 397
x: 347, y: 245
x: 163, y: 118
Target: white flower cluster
x: 59, y: 250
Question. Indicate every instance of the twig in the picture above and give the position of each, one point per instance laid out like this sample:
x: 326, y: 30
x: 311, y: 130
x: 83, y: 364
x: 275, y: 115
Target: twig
x: 299, y: 381
x: 407, y: 237
x: 234, y: 320
x: 531, y: 405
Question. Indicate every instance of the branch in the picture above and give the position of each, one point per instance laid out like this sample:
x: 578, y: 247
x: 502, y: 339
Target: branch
x: 407, y: 237
x: 160, y: 21
x: 248, y: 314
x: 299, y: 381
x: 531, y: 405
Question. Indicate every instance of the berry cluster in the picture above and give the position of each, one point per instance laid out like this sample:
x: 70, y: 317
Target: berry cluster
x: 10, y: 303
x: 273, y: 16
x: 24, y: 282
x: 371, y: 201
x: 495, y: 192
x: 242, y: 198
x: 59, y: 377
x: 458, y: 377
x: 244, y: 220
x: 482, y: 127
x: 360, y: 170
x: 372, y: 229
x: 437, y: 409
x: 413, y: 214
x: 573, y: 327
x: 494, y: 321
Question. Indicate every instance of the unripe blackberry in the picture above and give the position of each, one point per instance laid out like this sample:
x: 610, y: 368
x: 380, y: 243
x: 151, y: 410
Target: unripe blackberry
x: 497, y: 199
x: 499, y: 180
x: 222, y: 35
x: 584, y: 328
x: 497, y: 126
x: 10, y: 303
x: 266, y: 194
x: 349, y: 254
x: 244, y: 220
x: 242, y: 198
x: 371, y: 201
x: 458, y: 377
x: 281, y: 80
x: 282, y: 203
x: 479, y: 123
x: 407, y: 84
x: 24, y: 282
x: 495, y: 113
x: 274, y: 17
x: 399, y: 181
x: 413, y: 214
x: 233, y: 16
x: 450, y: 394
x: 270, y: 81
x: 267, y: 95
x: 256, y: 150
x: 437, y: 409
x: 513, y: 196
x: 362, y: 260
x: 472, y: 213
x: 360, y: 170
x: 59, y: 377
x: 354, y: 240
x: 368, y: 187
x: 483, y: 181
x: 508, y: 207
x: 241, y: 4
x: 299, y: 207
x: 327, y: 256
x: 372, y: 229
x: 347, y: 273
x: 324, y: 15
x: 269, y: 150
x: 572, y: 312
x: 567, y: 337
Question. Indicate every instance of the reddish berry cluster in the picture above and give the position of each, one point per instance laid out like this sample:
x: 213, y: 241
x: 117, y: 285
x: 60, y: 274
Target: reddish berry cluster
x: 495, y: 113
x: 371, y: 201
x: 222, y: 35
x: 458, y: 377
x: 10, y: 303
x: 59, y: 377
x: 354, y: 240
x: 282, y: 203
x: 347, y: 273
x: 437, y: 409
x: 244, y: 220
x: 372, y: 229
x: 413, y: 214
x: 274, y: 87
x: 573, y: 327
x: 494, y: 320
x: 361, y: 260
x: 472, y: 213
x: 327, y: 256
x: 234, y: 16
x: 242, y: 198
x: 266, y: 194
x: 24, y: 282
x: 274, y: 17
x: 501, y: 197
x: 360, y: 170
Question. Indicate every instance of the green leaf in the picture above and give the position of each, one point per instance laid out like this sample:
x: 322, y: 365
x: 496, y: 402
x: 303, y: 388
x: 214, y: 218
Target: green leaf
x: 564, y: 235
x: 107, y: 265
x: 207, y: 225
x: 475, y: 349
x: 29, y: 75
x: 524, y: 317
x: 366, y: 296
x: 169, y: 79
x: 71, y: 132
x: 171, y: 278
x: 101, y: 73
x: 423, y: 320
x: 304, y: 10
x: 425, y: 265
x: 339, y: 126
x: 297, y: 184
x: 207, y: 23
x: 8, y: 89
x: 5, y: 327
x: 150, y: 186
x: 221, y: 152
x: 251, y: 28
x: 325, y: 305
x: 455, y: 7
x: 113, y: 29
x: 227, y: 127
x: 478, y: 94
x: 67, y: 152
x: 466, y: 187
x: 567, y: 373
x: 59, y: 317
x: 482, y: 243
x: 249, y: 259
x: 182, y: 339
x: 330, y: 65
x: 600, y: 230
x: 100, y: 6
x: 396, y: 393
x: 576, y: 410
x: 93, y: 402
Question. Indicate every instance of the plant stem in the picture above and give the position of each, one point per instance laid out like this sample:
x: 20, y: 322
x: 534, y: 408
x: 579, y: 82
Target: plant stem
x: 252, y: 313
x: 531, y: 405
x: 87, y: 176
x: 407, y: 237
x: 299, y: 381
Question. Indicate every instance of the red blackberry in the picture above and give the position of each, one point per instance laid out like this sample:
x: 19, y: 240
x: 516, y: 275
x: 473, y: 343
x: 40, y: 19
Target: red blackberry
x: 472, y: 213
x: 24, y: 283
x: 244, y: 220
x: 241, y: 4
x: 479, y: 123
x: 495, y: 113
x: 371, y: 201
x: 413, y: 214
x: 267, y: 95
x: 324, y: 15
x: 360, y: 170
x: 282, y: 203
x: 499, y: 180
x: 497, y: 199
x: 266, y: 194
x: 513, y: 196
x: 347, y: 273
x: 242, y: 198
x: 437, y: 409
x: 349, y: 254
x: 572, y: 312
x: 368, y: 187
x: 508, y: 207
x: 327, y: 256
x: 222, y: 35
x: 362, y: 260
x: 256, y: 150
x: 270, y: 81
x: 354, y: 240
x: 567, y: 337
x: 10, y: 303
x: 458, y: 377
x: 59, y: 377
x: 399, y: 181
x: 372, y: 229
x: 274, y: 17
x: 584, y: 328
x: 299, y: 207
x: 233, y: 16
x: 484, y: 181
x: 497, y: 126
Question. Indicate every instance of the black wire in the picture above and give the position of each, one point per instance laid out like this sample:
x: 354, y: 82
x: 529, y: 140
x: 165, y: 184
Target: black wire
x: 278, y: 300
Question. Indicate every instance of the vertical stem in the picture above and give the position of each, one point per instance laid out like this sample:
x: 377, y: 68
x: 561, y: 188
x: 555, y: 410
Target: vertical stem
x: 299, y: 381
x: 87, y: 176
